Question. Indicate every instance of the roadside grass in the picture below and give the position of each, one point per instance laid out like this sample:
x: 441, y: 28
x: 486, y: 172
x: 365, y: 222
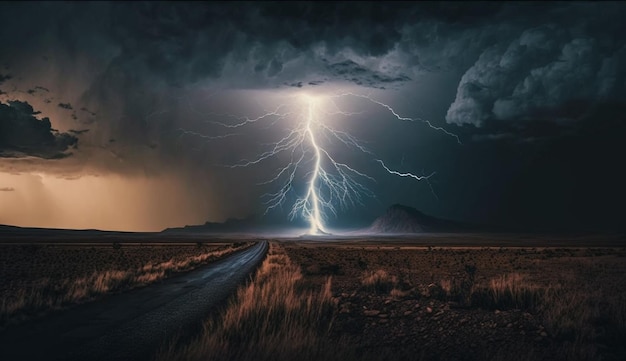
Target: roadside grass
x: 46, y: 293
x: 273, y: 317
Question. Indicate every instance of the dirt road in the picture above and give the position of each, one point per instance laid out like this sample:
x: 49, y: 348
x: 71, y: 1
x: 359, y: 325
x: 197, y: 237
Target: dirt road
x: 132, y: 325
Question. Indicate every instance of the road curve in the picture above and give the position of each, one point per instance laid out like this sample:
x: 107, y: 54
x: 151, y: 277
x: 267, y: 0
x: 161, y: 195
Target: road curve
x: 131, y: 325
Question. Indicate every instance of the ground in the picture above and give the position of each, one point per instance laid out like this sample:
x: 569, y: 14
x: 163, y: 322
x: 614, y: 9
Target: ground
x: 435, y: 297
x: 438, y: 303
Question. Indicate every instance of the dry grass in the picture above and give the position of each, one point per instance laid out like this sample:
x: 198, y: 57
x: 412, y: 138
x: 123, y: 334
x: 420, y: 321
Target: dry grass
x: 48, y: 293
x: 504, y: 292
x: 587, y: 320
x: 514, y: 290
x: 584, y: 317
x: 538, y: 303
x: 274, y: 317
x: 379, y: 281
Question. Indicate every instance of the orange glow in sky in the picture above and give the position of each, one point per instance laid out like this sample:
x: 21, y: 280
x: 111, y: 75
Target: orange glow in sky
x: 109, y: 202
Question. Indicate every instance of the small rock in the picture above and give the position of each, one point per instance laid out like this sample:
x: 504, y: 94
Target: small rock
x: 383, y: 315
x: 406, y: 313
x: 383, y: 320
x: 544, y: 334
x: 509, y: 325
x: 371, y: 313
x: 429, y: 310
x: 497, y: 312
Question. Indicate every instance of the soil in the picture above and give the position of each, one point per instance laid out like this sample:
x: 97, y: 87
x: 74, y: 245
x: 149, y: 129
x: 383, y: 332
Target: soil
x: 418, y: 320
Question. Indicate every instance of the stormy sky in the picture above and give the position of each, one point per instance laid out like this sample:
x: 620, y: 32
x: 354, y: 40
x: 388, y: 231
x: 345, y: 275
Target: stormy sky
x: 112, y: 114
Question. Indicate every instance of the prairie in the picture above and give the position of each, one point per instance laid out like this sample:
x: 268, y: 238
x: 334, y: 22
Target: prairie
x: 39, y: 278
x: 381, y: 301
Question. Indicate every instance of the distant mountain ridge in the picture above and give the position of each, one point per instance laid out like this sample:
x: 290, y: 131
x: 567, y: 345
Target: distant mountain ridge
x: 401, y: 219
x: 398, y: 219
x: 231, y: 225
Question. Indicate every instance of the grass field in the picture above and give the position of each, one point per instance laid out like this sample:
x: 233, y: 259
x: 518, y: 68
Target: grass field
x: 321, y: 301
x: 38, y: 278
x: 359, y: 299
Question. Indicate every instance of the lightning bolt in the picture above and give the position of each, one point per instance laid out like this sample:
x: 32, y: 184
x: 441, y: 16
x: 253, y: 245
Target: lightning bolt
x: 330, y: 183
x: 311, y: 205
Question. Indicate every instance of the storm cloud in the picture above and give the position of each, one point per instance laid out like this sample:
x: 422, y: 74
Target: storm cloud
x: 142, y: 84
x: 546, y: 72
x: 23, y: 134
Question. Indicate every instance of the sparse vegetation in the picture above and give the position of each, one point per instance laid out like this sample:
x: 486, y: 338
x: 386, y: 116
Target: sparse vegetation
x: 504, y: 292
x: 43, y: 278
x: 379, y: 281
x: 389, y: 302
x: 481, y: 303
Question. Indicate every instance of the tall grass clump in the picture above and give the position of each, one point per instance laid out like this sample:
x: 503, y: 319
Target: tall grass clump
x: 511, y: 291
x: 270, y: 318
x: 507, y: 291
x: 379, y: 281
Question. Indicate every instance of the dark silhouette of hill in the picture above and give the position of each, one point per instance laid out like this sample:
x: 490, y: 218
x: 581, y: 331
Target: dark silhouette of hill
x: 231, y: 225
x: 400, y: 219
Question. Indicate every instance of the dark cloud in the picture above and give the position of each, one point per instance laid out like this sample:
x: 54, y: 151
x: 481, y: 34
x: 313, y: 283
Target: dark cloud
x: 350, y: 71
x: 78, y: 132
x: 545, y: 69
x: 37, y: 89
x: 88, y: 111
x: 4, y: 77
x: 184, y: 43
x: 518, y: 76
x: 22, y: 134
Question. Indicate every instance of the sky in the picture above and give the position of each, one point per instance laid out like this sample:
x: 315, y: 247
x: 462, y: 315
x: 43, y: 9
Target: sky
x: 139, y: 116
